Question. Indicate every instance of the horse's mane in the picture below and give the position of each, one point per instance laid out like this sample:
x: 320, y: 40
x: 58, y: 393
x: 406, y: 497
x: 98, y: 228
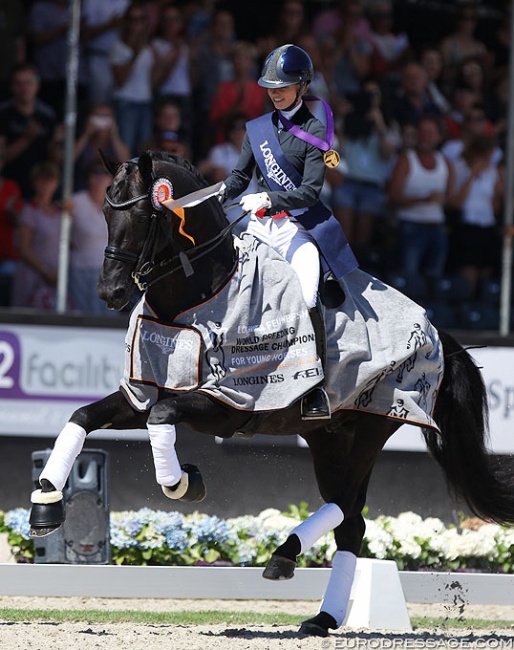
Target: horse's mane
x: 165, y: 157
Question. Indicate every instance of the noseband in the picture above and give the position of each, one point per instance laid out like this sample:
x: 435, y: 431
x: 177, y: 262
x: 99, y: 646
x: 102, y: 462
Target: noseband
x: 145, y: 260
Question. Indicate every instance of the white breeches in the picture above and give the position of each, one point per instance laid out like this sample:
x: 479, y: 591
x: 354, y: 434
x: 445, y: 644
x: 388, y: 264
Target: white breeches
x: 291, y: 240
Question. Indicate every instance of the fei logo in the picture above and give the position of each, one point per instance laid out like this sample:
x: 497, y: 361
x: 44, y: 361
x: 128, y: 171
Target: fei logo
x: 10, y: 355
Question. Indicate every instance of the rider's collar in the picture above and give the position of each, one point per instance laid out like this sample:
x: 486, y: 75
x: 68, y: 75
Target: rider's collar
x: 293, y: 111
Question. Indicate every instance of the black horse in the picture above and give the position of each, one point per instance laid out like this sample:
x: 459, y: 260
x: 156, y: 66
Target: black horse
x: 180, y: 264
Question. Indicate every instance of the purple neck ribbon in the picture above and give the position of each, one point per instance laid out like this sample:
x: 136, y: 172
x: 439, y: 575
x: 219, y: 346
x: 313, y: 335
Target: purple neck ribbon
x: 324, y: 145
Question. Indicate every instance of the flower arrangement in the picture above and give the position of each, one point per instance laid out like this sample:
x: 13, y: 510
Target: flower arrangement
x: 152, y: 537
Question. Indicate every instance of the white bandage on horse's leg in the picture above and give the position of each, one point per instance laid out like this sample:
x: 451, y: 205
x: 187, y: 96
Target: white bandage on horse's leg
x: 67, y: 447
x: 337, y: 595
x: 167, y: 468
x: 320, y: 522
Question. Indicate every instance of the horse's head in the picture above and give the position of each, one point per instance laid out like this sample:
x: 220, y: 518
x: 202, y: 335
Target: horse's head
x: 147, y: 242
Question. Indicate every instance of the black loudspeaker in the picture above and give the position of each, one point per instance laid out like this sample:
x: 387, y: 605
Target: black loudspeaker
x: 84, y: 536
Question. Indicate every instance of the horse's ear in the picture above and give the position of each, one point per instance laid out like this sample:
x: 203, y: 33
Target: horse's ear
x: 111, y: 164
x: 145, y: 165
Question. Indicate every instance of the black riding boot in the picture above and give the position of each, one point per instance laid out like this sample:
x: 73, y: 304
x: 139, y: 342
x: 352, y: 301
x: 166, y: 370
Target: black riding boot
x: 316, y: 405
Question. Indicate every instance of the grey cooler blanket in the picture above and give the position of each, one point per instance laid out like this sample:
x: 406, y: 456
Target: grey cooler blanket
x: 252, y: 345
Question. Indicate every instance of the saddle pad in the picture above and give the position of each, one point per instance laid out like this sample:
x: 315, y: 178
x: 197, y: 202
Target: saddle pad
x: 258, y: 350
x: 165, y: 355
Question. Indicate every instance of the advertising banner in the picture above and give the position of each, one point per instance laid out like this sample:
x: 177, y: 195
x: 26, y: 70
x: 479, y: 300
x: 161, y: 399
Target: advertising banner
x: 47, y: 372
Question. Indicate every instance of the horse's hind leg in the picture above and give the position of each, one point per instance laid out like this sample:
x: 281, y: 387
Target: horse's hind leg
x: 348, y: 536
x: 113, y: 412
x: 365, y: 436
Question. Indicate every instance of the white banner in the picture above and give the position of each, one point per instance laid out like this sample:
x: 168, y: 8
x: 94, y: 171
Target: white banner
x: 46, y: 372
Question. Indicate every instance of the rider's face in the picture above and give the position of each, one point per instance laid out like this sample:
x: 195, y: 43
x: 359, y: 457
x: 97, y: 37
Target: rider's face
x: 282, y: 98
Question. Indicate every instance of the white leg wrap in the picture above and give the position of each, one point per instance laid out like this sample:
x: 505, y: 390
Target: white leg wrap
x: 320, y: 522
x: 180, y: 490
x: 167, y: 468
x: 337, y: 595
x: 67, y: 447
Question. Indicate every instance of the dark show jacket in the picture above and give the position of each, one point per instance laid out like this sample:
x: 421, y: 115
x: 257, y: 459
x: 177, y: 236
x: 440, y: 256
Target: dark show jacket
x: 307, y: 160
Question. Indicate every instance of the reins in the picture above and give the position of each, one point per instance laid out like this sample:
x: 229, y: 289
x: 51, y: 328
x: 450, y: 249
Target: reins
x: 145, y: 260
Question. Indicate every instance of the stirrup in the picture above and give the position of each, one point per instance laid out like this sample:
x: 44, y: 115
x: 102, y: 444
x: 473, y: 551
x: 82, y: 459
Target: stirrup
x: 319, y: 411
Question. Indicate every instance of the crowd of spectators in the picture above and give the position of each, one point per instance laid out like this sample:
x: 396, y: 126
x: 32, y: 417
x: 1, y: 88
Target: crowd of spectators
x: 420, y: 124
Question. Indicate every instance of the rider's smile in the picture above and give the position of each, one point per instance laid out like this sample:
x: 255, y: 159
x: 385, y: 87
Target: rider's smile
x: 283, y: 98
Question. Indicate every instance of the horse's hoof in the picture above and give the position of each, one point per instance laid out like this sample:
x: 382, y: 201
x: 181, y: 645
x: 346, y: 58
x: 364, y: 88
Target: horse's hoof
x: 196, y: 490
x: 318, y: 626
x: 279, y: 568
x: 47, y: 513
x: 42, y: 531
x: 190, y: 488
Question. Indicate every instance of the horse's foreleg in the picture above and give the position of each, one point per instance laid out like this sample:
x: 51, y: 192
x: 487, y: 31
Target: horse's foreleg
x: 113, y: 411
x: 178, y: 481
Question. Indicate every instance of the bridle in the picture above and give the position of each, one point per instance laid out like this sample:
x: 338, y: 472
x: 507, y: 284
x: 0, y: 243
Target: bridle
x: 145, y: 262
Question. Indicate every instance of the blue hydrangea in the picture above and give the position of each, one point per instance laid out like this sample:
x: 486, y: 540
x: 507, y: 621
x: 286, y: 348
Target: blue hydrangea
x: 177, y: 539
x: 18, y: 521
x: 211, y: 529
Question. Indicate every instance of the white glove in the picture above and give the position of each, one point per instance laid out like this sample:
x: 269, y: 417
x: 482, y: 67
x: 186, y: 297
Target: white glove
x: 255, y: 202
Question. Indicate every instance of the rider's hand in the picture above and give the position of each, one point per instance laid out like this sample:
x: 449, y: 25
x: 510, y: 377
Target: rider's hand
x: 254, y: 202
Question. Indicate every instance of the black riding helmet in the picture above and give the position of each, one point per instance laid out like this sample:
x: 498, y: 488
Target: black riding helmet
x: 286, y: 65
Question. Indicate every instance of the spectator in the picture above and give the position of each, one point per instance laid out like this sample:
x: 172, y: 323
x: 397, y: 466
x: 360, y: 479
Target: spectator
x: 475, y: 124
x: 27, y: 125
x: 352, y: 54
x: 12, y: 41
x: 100, y: 27
x: 223, y: 157
x: 173, y: 143
x: 479, y: 188
x: 167, y: 124
x: 173, y: 73
x: 389, y: 48
x: 413, y: 101
x: 289, y: 26
x: 100, y: 132
x: 461, y: 43
x: 463, y: 100
x: 421, y: 182
x: 212, y: 65
x: 134, y: 65
x: 242, y: 94
x: 369, y: 141
x: 328, y: 22
x: 48, y: 25
x: 10, y: 206
x: 431, y: 60
x: 471, y: 73
x: 499, y: 43
x: 88, y: 241
x: 38, y: 242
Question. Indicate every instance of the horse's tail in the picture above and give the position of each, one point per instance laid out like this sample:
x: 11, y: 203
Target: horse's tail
x: 462, y: 415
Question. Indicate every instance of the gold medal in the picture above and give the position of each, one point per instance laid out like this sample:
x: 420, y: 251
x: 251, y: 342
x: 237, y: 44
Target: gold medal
x: 331, y: 158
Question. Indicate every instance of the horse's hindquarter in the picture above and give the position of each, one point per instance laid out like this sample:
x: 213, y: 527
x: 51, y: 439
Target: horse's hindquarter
x: 384, y: 356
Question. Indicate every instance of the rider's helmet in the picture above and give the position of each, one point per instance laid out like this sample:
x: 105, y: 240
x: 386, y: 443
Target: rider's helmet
x: 285, y: 66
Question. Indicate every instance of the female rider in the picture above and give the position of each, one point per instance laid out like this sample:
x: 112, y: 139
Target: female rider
x: 289, y: 149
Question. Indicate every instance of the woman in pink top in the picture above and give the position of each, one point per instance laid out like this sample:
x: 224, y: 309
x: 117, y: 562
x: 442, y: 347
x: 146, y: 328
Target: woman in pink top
x: 38, y: 241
